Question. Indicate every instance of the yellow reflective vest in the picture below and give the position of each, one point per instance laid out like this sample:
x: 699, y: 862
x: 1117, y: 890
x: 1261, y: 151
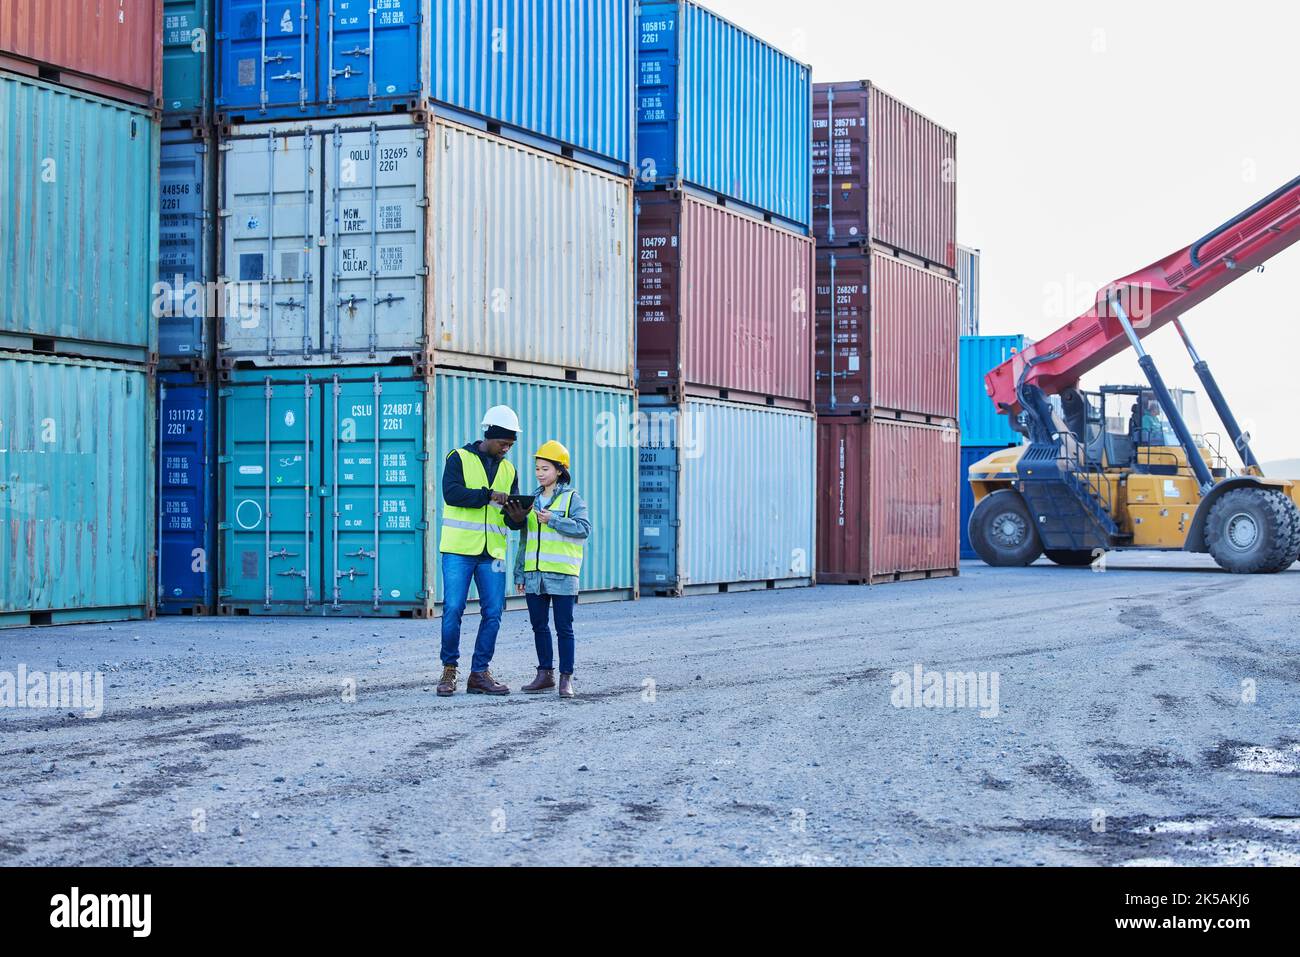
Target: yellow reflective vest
x: 468, y: 531
x: 549, y: 551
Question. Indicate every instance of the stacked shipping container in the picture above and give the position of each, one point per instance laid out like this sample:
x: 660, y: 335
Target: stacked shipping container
x: 79, y: 154
x: 724, y: 337
x: 983, y: 430
x: 884, y: 214
x: 420, y: 222
x: 186, y: 304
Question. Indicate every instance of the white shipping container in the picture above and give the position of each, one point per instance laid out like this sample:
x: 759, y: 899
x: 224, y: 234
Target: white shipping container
x: 968, y: 291
x: 371, y: 240
x: 714, y: 514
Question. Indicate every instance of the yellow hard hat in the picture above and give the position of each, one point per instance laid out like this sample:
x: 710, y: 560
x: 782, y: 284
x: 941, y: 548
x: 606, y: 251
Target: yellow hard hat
x: 555, y: 452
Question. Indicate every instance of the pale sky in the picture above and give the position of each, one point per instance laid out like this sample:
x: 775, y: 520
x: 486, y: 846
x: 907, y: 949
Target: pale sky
x: 1093, y: 139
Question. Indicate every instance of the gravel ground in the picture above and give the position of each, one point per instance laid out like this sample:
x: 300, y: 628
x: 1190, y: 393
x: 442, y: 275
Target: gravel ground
x: 734, y: 729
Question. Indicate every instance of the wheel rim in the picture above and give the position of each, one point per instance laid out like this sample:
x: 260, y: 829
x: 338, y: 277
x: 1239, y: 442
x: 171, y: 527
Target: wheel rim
x: 1242, y: 531
x: 1008, y: 530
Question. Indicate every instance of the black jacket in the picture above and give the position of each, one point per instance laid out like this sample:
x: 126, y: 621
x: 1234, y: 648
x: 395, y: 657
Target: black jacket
x: 455, y: 493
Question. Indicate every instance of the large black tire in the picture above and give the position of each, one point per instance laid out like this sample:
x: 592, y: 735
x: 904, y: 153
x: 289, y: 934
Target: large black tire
x: 1071, y: 558
x: 1002, y: 531
x: 1295, y: 534
x: 1251, y: 531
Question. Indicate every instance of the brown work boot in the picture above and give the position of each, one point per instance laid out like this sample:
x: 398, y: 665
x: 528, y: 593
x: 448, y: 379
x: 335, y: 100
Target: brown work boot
x: 447, y: 684
x: 566, y: 687
x: 482, y: 682
x: 544, y: 681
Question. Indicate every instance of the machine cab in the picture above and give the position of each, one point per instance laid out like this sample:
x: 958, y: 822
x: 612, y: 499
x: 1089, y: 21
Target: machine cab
x: 1123, y: 428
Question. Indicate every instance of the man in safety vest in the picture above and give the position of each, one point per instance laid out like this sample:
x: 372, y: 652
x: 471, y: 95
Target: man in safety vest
x: 477, y: 481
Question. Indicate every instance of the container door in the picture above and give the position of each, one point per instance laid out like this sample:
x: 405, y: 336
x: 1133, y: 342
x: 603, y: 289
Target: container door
x: 660, y: 475
x: 371, y: 51
x: 184, y: 489
x: 272, y: 214
x: 184, y: 236
x: 272, y: 520
x: 374, y: 215
x: 658, y: 300
x: 374, y: 483
x: 657, y: 79
x: 186, y: 42
x: 843, y: 332
x: 267, y: 54
x: 839, y: 166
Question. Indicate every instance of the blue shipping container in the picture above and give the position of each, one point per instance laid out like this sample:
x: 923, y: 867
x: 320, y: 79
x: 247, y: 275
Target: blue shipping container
x: 981, y: 423
x: 185, y: 248
x: 720, y: 111
x: 556, y: 75
x: 186, y: 487
x: 969, y: 456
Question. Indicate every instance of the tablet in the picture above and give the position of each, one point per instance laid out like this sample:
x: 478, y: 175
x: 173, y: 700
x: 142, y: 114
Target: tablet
x: 523, y: 501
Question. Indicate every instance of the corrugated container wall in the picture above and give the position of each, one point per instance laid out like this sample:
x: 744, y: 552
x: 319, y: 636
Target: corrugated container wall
x: 721, y: 111
x: 350, y: 461
x: 186, y: 248
x: 108, y: 47
x: 186, y: 493
x: 981, y: 423
x: 722, y: 304
x: 187, y: 38
x: 968, y: 290
x: 76, y: 481
x: 969, y: 456
x: 887, y: 501
x: 78, y: 222
x: 495, y: 254
x: 711, y: 514
x: 531, y: 69
x: 895, y: 342
x: 597, y: 426
x: 893, y: 176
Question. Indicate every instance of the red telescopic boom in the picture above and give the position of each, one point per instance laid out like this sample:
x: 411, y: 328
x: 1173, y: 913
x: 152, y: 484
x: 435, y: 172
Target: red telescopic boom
x: 1153, y: 297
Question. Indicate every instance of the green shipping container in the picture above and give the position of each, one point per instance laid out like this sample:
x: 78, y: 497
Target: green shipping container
x: 76, y: 491
x: 78, y: 222
x: 187, y: 63
x: 331, y: 496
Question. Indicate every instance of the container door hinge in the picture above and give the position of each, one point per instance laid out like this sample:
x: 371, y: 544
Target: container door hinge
x: 422, y: 526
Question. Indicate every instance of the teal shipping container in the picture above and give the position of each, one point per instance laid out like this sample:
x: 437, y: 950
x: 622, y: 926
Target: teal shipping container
x: 331, y: 483
x: 78, y: 223
x: 76, y: 491
x: 187, y: 63
x: 981, y: 423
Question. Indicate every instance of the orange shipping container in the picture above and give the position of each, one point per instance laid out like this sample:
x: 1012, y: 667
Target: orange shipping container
x: 887, y: 500
x: 112, y: 48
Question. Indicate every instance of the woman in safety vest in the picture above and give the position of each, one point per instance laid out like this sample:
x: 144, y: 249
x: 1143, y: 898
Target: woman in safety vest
x: 548, y: 563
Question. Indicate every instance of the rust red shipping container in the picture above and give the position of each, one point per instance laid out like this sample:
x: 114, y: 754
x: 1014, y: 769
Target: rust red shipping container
x: 111, y: 48
x: 724, y: 305
x: 895, y: 336
x: 887, y: 175
x: 887, y: 506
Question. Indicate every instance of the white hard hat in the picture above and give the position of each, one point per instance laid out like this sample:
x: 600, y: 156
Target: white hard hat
x: 502, y: 416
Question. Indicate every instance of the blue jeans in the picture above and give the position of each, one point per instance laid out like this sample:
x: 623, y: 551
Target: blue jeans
x: 490, y: 577
x: 539, y: 607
